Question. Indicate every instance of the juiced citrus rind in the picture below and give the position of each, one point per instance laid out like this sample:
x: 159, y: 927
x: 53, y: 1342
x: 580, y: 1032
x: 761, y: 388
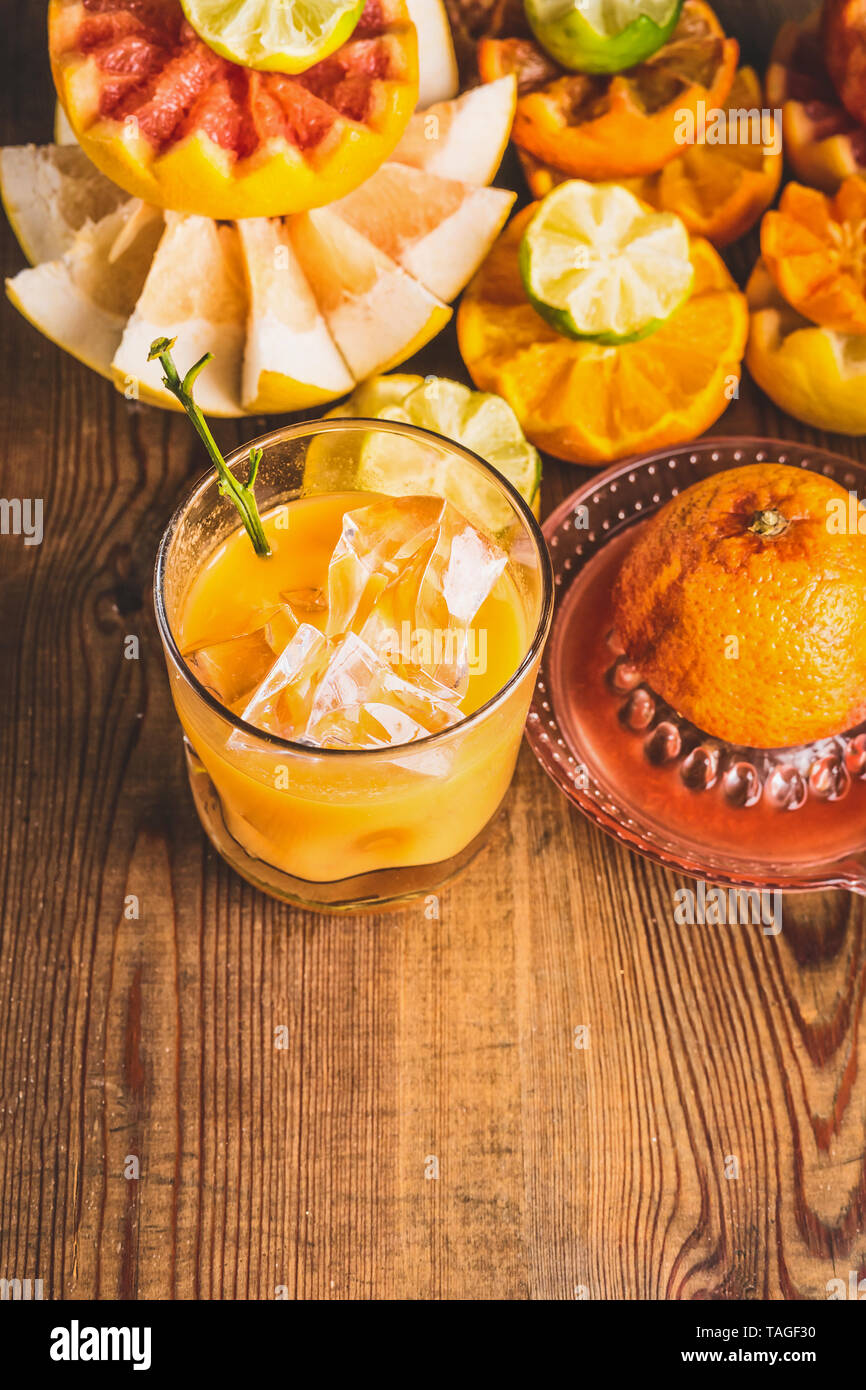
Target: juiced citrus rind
x: 813, y: 374
x: 823, y: 143
x: 606, y: 128
x: 578, y: 46
x: 706, y: 185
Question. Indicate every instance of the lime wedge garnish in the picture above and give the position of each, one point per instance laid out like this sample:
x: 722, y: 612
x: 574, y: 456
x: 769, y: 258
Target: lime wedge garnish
x: 602, y: 35
x: 596, y: 263
x: 275, y: 35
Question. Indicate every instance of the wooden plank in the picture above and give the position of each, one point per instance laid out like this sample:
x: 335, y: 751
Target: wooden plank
x: 307, y: 1169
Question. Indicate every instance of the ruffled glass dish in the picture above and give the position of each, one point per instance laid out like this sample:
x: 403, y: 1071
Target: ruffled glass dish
x: 791, y: 819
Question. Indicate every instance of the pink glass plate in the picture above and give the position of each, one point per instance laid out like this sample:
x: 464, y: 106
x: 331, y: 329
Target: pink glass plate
x: 575, y: 725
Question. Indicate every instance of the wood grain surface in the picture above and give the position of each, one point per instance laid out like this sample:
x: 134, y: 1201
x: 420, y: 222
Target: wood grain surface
x: 415, y: 1047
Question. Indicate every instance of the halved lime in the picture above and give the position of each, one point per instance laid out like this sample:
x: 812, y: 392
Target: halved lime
x: 597, y: 263
x: 274, y: 35
x: 376, y: 394
x: 602, y: 35
x: 481, y: 422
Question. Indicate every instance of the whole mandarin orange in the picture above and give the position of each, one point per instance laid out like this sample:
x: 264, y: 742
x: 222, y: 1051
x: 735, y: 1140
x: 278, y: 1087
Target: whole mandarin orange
x: 743, y: 604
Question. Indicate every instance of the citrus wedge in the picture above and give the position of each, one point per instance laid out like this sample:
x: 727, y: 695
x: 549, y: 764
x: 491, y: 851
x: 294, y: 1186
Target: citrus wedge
x: 82, y: 300
x: 463, y: 139
x: 600, y: 36
x: 595, y: 127
x: 437, y: 229
x: 814, y: 247
x: 596, y: 264
x: 437, y: 64
x: 291, y: 361
x: 812, y: 373
x: 205, y: 311
x: 49, y: 193
x: 823, y: 142
x: 589, y: 403
x: 377, y: 314
x: 275, y: 38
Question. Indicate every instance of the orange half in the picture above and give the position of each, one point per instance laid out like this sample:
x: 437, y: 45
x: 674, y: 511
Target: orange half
x: 631, y: 123
x: 589, y: 403
x: 814, y: 247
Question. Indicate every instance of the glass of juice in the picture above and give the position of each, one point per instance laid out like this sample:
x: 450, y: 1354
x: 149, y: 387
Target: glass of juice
x: 353, y: 703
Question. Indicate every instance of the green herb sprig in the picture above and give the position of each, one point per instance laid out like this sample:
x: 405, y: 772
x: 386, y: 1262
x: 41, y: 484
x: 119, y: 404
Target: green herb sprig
x: 242, y: 494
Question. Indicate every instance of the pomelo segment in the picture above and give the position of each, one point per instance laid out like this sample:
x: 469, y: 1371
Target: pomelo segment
x: 291, y: 361
x: 438, y: 79
x: 49, y: 193
x: 463, y: 139
x: 63, y: 132
x: 175, y: 123
x: 437, y: 229
x: 378, y: 315
x: 82, y: 300
x: 204, y: 308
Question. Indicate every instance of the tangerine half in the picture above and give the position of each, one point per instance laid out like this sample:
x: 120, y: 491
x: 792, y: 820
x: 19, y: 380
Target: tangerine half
x: 814, y: 247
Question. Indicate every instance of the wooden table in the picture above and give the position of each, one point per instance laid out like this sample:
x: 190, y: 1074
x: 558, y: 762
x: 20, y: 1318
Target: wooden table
x: 307, y: 1169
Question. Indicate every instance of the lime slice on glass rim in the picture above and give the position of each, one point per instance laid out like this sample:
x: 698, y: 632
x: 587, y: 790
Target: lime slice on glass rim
x: 276, y: 37
x: 602, y: 36
x: 597, y: 263
x: 480, y: 421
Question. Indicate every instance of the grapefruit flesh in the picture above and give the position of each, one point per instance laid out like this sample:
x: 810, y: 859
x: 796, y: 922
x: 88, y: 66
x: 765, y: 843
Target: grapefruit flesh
x: 175, y: 123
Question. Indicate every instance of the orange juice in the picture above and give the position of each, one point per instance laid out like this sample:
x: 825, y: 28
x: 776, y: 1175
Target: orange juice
x: 322, y: 814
